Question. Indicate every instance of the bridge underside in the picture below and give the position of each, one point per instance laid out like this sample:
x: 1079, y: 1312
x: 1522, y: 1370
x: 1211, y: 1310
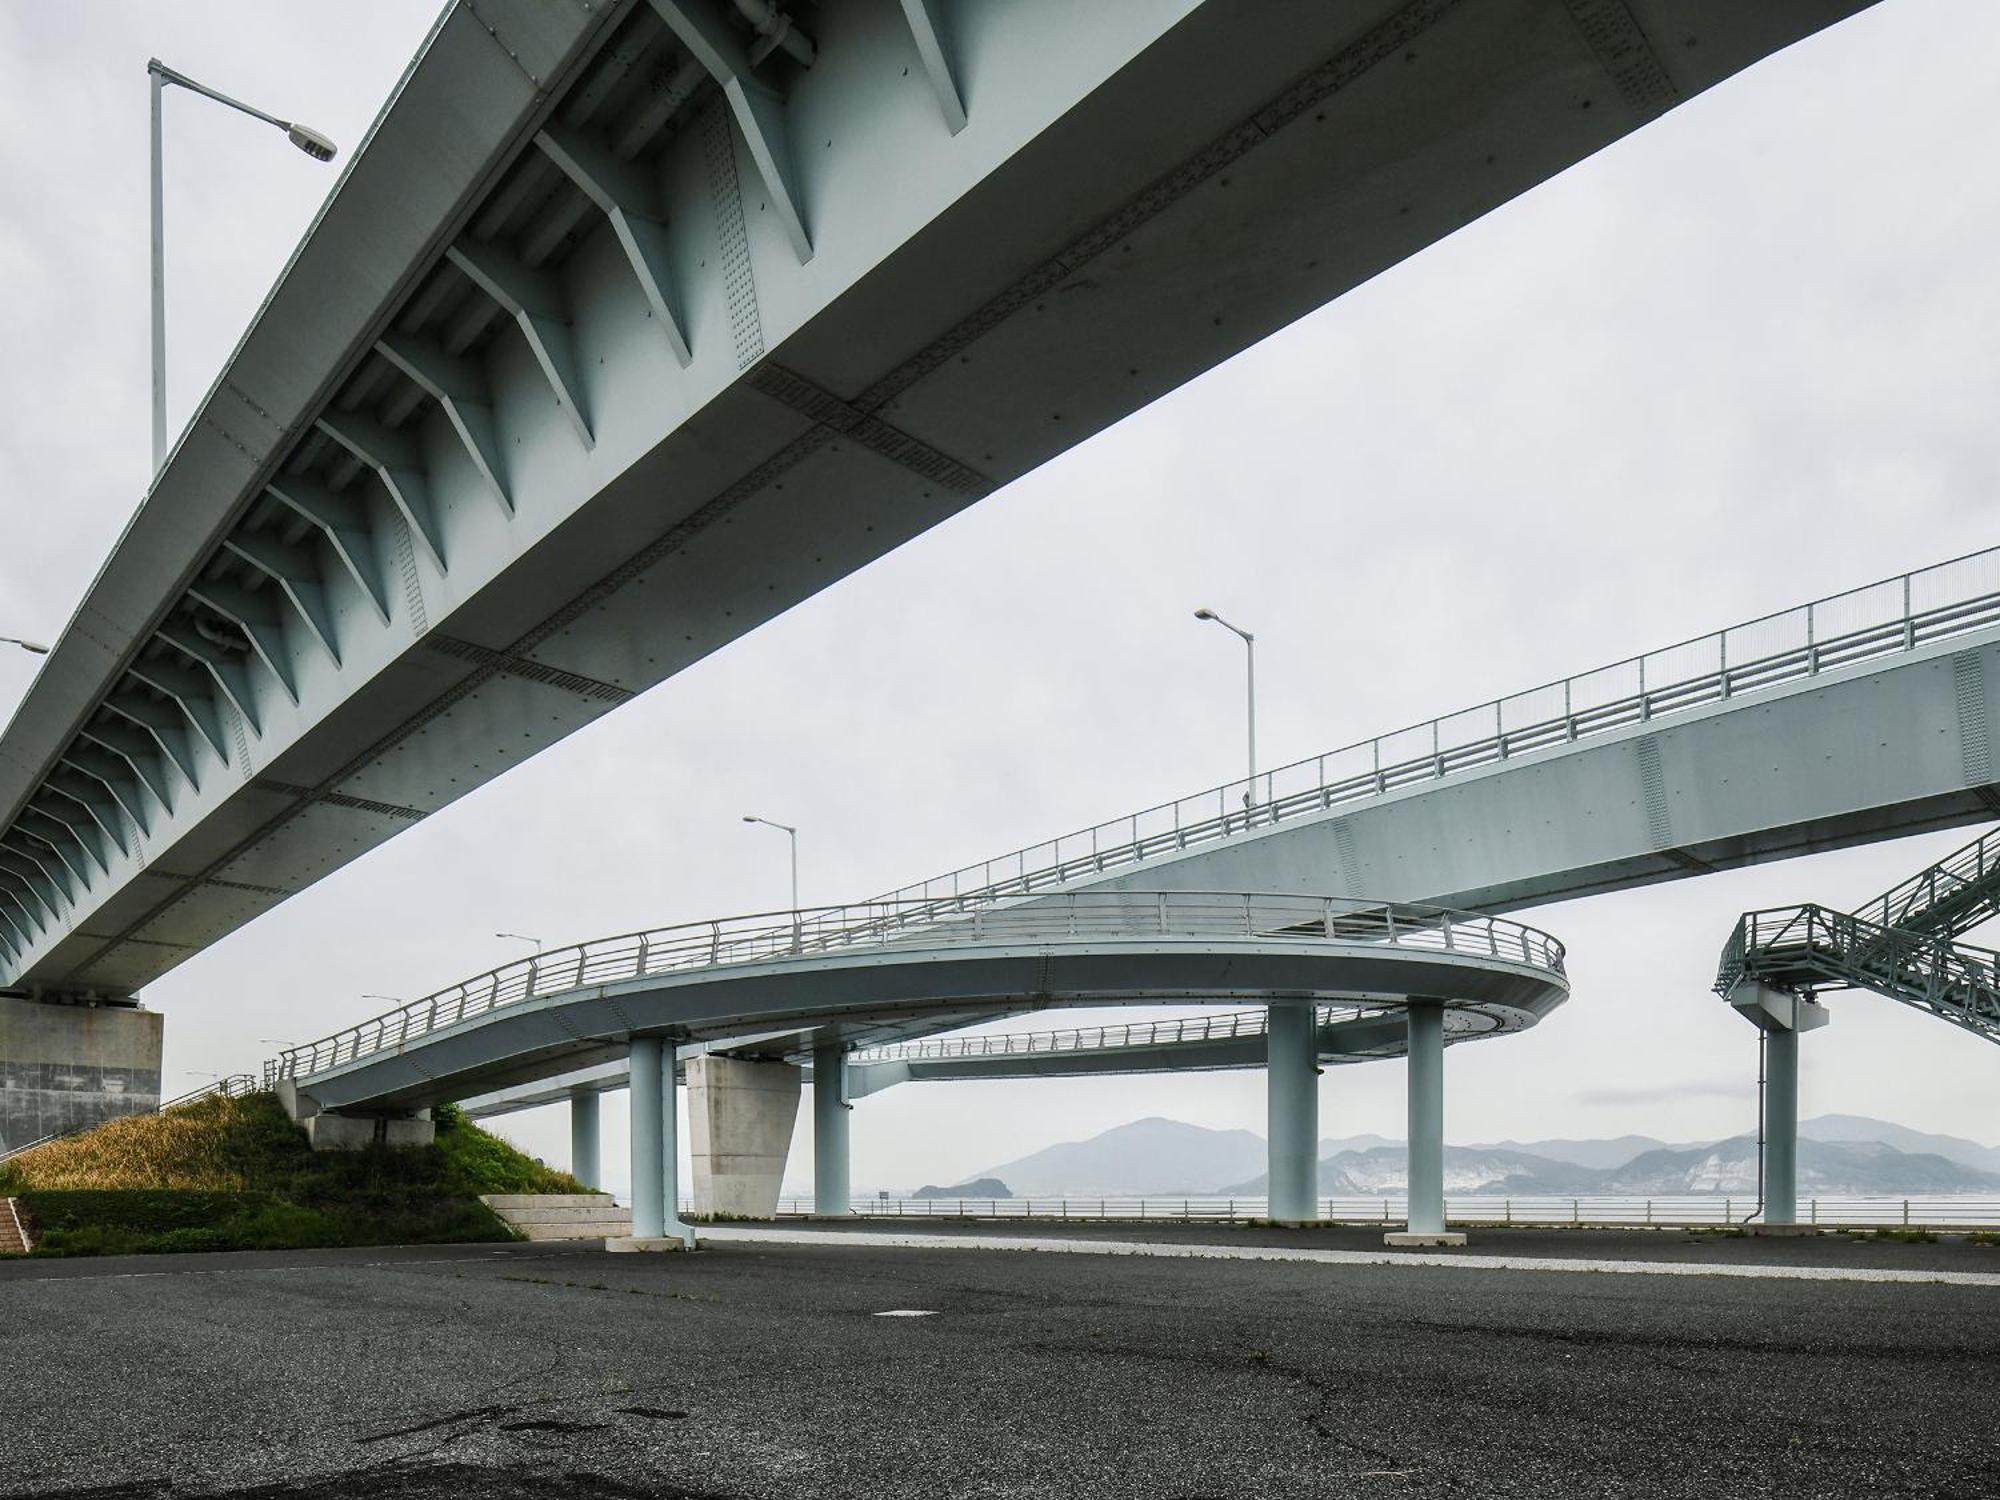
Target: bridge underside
x: 617, y: 339
x: 1348, y: 1039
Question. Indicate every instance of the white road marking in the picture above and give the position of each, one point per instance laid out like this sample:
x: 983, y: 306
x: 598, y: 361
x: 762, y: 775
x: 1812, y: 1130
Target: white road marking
x: 1315, y: 1255
x: 908, y: 1312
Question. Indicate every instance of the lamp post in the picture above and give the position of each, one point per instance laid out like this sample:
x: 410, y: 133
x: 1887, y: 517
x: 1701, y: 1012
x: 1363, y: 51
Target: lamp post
x: 522, y: 938
x: 308, y: 140
x: 36, y: 647
x: 793, y: 834
x: 1250, y: 681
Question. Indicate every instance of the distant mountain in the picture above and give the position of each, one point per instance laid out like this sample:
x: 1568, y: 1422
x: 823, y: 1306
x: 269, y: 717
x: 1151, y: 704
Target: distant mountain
x: 1147, y: 1156
x: 1164, y: 1157
x: 1825, y: 1167
x: 980, y: 1187
x: 1467, y: 1169
x: 1614, y: 1152
x: 1861, y: 1128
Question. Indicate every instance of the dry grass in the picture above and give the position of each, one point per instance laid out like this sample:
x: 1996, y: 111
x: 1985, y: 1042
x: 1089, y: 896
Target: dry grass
x: 181, y: 1149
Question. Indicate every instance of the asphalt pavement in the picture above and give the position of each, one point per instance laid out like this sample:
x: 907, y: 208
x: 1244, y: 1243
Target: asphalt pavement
x: 753, y: 1370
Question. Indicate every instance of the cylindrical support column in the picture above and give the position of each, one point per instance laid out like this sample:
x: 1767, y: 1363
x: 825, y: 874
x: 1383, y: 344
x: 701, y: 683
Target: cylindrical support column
x: 583, y: 1141
x: 830, y: 1113
x: 652, y: 1137
x: 1781, y: 1126
x: 1426, y: 1147
x: 1291, y: 1086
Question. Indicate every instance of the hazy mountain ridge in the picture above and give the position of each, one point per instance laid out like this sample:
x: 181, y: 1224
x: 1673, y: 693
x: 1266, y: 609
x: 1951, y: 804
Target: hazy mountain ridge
x: 1164, y: 1157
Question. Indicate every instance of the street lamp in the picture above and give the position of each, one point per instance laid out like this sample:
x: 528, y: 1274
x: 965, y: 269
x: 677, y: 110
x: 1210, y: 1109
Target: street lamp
x: 793, y: 833
x: 1250, y: 669
x: 35, y: 646
x: 522, y: 938
x: 308, y: 140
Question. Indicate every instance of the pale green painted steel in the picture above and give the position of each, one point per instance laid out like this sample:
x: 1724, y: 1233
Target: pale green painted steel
x: 789, y: 302
x: 1426, y: 1127
x: 1781, y: 1125
x: 652, y: 1134
x: 584, y: 1156
x: 831, y: 1111
x: 1291, y: 1084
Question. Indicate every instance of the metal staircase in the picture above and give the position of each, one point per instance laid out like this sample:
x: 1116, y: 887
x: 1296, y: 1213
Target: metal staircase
x: 1953, y: 896
x: 1900, y: 945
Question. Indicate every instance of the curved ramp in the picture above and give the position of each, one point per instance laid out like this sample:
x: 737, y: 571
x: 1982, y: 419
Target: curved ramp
x: 876, y: 972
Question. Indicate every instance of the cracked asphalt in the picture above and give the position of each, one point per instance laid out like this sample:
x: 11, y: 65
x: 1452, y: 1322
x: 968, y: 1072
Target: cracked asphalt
x: 761, y: 1370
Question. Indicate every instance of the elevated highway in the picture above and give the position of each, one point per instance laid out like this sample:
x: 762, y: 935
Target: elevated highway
x: 1868, y: 715
x: 632, y: 324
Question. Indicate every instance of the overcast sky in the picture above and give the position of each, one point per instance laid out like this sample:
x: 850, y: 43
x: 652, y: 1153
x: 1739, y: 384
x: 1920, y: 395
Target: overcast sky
x: 1746, y: 357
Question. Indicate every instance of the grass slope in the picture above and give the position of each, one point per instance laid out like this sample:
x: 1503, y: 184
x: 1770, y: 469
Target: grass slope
x: 237, y: 1174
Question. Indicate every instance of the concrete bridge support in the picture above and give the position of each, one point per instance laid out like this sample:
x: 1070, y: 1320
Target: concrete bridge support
x: 831, y: 1193
x: 1781, y: 1016
x: 1425, y: 1019
x: 583, y: 1137
x: 1291, y: 1062
x: 741, y: 1114
x: 656, y: 1188
x: 65, y: 1067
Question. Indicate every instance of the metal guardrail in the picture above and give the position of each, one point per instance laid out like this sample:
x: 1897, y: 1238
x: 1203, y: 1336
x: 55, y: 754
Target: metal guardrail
x: 816, y: 932
x: 235, y: 1084
x: 1878, y: 620
x: 1210, y: 1027
x: 1806, y: 947
x: 1856, y: 1212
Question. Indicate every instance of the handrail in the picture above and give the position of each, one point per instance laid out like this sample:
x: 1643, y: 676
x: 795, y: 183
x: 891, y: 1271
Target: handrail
x: 1211, y: 1026
x: 816, y: 932
x: 1885, y: 618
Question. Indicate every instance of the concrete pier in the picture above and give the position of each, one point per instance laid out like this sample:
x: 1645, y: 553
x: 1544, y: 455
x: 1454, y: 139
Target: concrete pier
x: 1426, y: 1128
x: 1292, y: 1112
x: 741, y: 1114
x: 1781, y: 1016
x: 656, y: 1189
x: 67, y: 1067
x: 584, y: 1137
x: 831, y: 1194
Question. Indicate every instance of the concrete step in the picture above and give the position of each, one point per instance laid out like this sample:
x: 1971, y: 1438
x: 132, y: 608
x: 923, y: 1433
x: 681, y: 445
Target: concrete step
x: 561, y: 1216
x: 505, y: 1203
x: 14, y: 1234
x: 605, y: 1210
x: 588, y: 1229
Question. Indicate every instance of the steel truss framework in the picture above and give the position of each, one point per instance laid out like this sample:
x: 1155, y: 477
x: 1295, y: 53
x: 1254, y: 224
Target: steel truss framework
x: 1900, y: 945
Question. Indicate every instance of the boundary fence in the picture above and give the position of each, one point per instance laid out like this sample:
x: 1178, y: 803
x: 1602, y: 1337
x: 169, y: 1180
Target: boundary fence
x: 1853, y: 1211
